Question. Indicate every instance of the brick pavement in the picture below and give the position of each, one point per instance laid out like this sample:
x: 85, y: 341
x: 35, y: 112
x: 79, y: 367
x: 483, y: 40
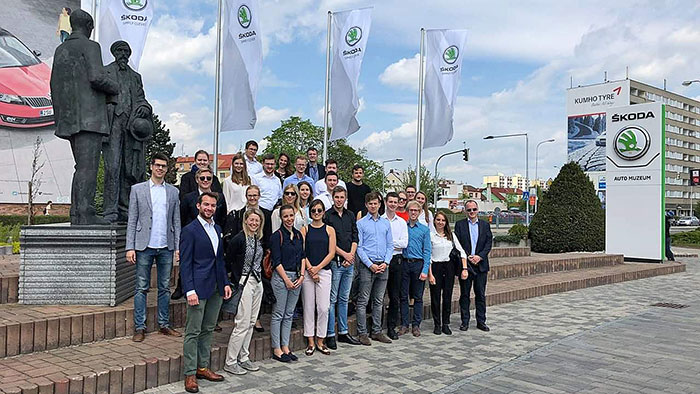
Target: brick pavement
x: 434, y: 363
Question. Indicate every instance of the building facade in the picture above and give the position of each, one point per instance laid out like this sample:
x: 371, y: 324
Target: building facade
x: 183, y: 165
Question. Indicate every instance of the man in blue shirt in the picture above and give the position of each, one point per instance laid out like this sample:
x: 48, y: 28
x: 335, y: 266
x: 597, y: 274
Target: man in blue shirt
x: 299, y: 175
x: 415, y: 269
x: 375, y: 248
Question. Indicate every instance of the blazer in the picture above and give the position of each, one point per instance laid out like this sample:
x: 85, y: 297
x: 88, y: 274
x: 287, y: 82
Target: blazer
x: 189, y: 212
x: 235, y: 256
x: 200, y: 269
x: 483, y: 244
x: 188, y: 184
x: 321, y: 171
x: 138, y: 227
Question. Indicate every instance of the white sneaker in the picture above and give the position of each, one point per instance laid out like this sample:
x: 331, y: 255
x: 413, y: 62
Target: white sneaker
x: 235, y: 369
x: 249, y: 365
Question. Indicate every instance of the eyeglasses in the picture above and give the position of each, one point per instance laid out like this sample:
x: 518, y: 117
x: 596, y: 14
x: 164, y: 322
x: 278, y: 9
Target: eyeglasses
x: 160, y: 165
x: 402, y: 199
x: 205, y: 178
x: 317, y: 210
x: 290, y: 193
x: 472, y: 209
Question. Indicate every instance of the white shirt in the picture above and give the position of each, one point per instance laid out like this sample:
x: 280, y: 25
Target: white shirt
x: 428, y: 222
x: 399, y: 233
x: 253, y: 167
x: 213, y: 237
x: 270, y: 190
x: 441, y: 248
x: 159, y: 223
x: 299, y: 220
x: 326, y: 199
x: 320, y: 187
x: 234, y: 195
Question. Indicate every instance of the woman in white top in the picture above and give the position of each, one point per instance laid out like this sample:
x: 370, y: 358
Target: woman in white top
x: 425, y: 217
x: 290, y: 196
x: 305, y: 197
x: 234, y: 187
x: 441, y: 275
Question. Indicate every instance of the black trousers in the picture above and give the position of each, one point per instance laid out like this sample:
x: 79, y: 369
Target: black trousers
x: 478, y: 283
x: 393, y: 288
x: 86, y: 147
x: 441, y: 291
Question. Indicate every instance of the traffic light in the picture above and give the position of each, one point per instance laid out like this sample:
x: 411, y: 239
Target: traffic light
x: 466, y: 154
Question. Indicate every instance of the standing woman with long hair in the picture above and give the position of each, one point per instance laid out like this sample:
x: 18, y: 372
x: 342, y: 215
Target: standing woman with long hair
x: 305, y: 197
x: 441, y: 274
x: 286, y: 255
x: 290, y: 196
x: 284, y: 167
x: 64, y: 28
x: 234, y: 187
x: 425, y: 216
x: 319, y: 246
x: 244, y: 254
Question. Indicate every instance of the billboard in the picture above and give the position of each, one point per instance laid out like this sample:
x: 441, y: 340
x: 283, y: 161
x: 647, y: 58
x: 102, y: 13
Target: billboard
x: 586, y: 128
x: 30, y: 31
x: 635, y: 156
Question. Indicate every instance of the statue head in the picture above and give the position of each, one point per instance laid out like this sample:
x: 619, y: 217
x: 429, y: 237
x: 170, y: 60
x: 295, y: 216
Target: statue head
x: 82, y: 21
x: 121, y: 52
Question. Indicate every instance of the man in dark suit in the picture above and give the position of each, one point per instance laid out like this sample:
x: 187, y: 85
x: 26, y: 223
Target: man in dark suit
x: 314, y: 169
x: 188, y: 183
x: 79, y: 88
x: 475, y: 237
x: 204, y: 280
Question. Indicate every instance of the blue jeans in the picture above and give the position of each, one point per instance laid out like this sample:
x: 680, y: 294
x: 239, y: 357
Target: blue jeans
x: 340, y: 293
x: 64, y: 35
x: 412, y: 287
x: 164, y: 264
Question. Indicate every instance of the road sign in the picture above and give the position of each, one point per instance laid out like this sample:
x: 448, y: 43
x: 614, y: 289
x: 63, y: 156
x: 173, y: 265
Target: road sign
x: 601, y: 183
x: 526, y: 195
x: 694, y: 177
x: 532, y: 200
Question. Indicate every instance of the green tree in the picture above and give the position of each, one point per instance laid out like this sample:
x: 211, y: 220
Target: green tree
x: 99, y: 193
x: 427, y: 181
x: 570, y: 216
x: 160, y: 142
x: 295, y: 135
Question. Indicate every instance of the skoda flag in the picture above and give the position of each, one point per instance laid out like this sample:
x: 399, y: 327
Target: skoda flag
x: 241, y: 64
x: 444, y: 52
x: 127, y: 20
x: 350, y: 32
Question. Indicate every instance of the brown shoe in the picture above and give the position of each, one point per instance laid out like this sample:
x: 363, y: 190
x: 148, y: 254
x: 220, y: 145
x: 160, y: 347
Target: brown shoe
x: 138, y: 336
x: 416, y: 331
x: 191, y: 385
x: 403, y: 330
x: 381, y: 338
x: 206, y: 373
x: 169, y: 331
x: 364, y: 339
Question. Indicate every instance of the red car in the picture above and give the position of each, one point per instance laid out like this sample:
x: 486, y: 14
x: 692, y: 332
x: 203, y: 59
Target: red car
x: 25, y: 93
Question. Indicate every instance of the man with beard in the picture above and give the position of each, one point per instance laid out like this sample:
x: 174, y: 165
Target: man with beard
x: 131, y: 125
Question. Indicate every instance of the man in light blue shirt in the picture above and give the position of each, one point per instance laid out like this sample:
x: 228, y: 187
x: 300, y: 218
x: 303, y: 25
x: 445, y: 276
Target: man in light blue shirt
x: 270, y: 187
x: 375, y: 250
x: 415, y: 269
x: 299, y: 175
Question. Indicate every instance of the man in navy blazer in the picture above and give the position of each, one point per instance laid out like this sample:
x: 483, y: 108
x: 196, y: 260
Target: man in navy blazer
x: 204, y: 281
x: 475, y: 237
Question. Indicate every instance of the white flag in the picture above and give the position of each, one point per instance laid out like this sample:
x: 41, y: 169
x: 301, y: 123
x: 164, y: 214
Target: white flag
x: 350, y: 32
x: 241, y: 64
x: 127, y: 20
x: 442, y: 76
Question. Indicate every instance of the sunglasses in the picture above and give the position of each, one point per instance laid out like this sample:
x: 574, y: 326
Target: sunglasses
x: 402, y: 199
x: 472, y: 209
x: 317, y: 210
x: 290, y: 193
x: 205, y: 178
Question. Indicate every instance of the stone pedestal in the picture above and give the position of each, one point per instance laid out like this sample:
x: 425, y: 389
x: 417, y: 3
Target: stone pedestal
x: 67, y: 264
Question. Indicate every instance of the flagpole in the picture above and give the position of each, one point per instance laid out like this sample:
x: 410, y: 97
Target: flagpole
x: 419, y: 128
x: 328, y: 85
x: 217, y: 90
x: 94, y: 20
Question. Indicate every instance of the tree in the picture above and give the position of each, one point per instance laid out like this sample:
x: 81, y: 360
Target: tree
x: 570, y: 216
x: 294, y: 136
x: 35, y: 182
x: 160, y: 142
x: 427, y: 181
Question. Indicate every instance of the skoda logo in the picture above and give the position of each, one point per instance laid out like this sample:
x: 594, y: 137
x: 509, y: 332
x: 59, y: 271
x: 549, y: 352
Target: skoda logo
x: 632, y: 142
x: 451, y: 54
x: 353, y: 36
x: 244, y: 16
x: 135, y: 5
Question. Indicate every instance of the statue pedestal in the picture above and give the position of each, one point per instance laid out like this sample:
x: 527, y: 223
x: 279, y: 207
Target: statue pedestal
x: 66, y: 264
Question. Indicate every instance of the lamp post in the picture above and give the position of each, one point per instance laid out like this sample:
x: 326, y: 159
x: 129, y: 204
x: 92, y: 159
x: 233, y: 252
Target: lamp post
x: 384, y: 174
x: 537, y: 200
x: 527, y: 165
x: 688, y: 83
x: 465, y: 157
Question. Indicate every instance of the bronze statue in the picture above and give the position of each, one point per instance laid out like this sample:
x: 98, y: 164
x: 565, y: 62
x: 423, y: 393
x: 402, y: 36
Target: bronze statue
x: 79, y: 88
x: 131, y: 125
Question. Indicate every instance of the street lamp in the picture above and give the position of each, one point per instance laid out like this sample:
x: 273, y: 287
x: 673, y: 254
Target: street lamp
x: 384, y: 174
x: 527, y: 165
x: 688, y: 83
x: 536, y: 159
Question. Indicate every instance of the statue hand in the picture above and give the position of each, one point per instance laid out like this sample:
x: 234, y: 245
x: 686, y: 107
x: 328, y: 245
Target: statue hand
x: 142, y: 112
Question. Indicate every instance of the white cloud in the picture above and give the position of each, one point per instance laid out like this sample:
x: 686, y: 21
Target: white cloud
x: 402, y: 74
x: 270, y: 116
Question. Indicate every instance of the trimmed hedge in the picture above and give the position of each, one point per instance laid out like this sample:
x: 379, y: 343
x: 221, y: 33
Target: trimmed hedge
x: 38, y: 219
x: 511, y: 239
x: 570, y: 216
x: 690, y: 238
x: 518, y: 230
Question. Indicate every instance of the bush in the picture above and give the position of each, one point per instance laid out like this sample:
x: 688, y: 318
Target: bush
x: 518, y: 230
x: 511, y: 239
x: 686, y: 238
x: 39, y: 219
x: 570, y: 217
x: 7, y: 231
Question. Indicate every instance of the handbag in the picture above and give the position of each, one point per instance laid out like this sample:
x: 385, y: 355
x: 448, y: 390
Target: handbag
x: 267, y: 261
x: 230, y: 306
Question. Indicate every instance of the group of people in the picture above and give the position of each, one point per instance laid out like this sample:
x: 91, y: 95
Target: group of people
x: 268, y: 232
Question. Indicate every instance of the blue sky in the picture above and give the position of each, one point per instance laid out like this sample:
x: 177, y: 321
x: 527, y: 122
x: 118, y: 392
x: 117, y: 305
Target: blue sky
x: 518, y: 62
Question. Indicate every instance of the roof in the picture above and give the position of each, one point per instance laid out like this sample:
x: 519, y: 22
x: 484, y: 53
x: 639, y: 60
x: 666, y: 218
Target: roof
x: 223, y: 164
x: 501, y: 192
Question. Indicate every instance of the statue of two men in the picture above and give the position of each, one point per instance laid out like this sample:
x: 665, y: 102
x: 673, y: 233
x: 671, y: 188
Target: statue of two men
x: 98, y: 110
